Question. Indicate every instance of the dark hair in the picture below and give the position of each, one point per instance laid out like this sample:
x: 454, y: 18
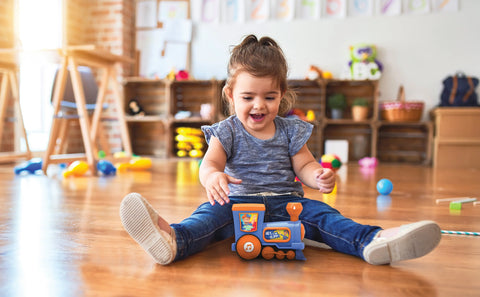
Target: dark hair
x: 261, y: 58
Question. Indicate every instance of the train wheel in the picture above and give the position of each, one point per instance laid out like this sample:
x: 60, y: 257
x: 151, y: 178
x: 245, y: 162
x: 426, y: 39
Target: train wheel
x: 268, y: 253
x: 291, y: 255
x: 280, y: 255
x: 248, y: 247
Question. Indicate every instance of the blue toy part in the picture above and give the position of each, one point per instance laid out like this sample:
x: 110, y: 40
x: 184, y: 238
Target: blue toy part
x: 384, y: 186
x: 30, y: 166
x: 254, y: 237
x: 106, y: 167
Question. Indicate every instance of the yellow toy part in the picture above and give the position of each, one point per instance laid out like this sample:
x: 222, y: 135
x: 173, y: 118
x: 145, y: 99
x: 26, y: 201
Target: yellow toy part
x: 195, y: 153
x: 189, y: 131
x: 188, y: 138
x: 181, y: 153
x: 77, y: 168
x: 310, y: 115
x: 136, y: 164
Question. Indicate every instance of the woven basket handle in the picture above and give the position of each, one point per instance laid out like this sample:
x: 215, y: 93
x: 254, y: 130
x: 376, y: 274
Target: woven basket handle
x: 401, y: 94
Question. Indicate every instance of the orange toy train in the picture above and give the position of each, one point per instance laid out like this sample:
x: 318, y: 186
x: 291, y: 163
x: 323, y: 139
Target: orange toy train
x: 254, y: 237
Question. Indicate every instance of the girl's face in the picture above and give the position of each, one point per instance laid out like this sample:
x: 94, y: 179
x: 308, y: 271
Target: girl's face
x: 256, y: 101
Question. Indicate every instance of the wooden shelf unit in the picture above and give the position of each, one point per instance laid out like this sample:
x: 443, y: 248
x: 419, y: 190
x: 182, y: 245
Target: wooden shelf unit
x: 409, y: 142
x: 154, y: 133
x: 457, y: 137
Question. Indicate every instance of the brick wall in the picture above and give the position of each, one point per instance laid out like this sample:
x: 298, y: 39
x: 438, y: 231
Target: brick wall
x: 108, y: 24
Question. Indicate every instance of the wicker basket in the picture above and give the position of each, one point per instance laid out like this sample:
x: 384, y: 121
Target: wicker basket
x: 401, y: 110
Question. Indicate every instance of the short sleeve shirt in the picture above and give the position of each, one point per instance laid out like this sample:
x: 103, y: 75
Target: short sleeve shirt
x: 262, y: 165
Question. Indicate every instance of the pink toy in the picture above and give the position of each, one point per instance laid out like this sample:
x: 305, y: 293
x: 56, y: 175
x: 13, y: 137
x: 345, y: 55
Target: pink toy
x: 368, y: 162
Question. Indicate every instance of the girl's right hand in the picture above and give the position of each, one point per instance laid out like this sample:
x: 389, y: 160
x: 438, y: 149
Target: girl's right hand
x: 217, y: 187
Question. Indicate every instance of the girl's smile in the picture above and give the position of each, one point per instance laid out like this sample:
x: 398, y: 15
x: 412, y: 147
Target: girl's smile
x: 256, y: 101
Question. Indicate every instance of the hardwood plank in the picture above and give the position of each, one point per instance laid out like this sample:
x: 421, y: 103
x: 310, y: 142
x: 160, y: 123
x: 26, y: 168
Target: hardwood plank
x: 63, y: 237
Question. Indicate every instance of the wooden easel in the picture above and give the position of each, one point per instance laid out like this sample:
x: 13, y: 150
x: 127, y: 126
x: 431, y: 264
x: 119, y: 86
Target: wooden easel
x: 87, y: 55
x: 9, y: 85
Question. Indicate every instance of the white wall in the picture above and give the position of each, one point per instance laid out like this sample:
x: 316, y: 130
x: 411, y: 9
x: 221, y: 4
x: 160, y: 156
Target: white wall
x: 418, y: 51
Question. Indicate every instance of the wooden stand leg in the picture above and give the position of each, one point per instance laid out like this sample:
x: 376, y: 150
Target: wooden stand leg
x: 16, y: 97
x: 82, y: 113
x: 127, y: 145
x: 3, y: 102
x: 58, y: 93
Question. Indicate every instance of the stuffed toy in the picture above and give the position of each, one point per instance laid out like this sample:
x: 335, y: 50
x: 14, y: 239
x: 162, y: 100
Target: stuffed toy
x: 315, y: 73
x: 134, y: 108
x: 364, y: 64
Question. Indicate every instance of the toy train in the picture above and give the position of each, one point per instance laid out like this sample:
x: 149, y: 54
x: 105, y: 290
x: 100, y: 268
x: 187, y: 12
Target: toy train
x: 254, y: 237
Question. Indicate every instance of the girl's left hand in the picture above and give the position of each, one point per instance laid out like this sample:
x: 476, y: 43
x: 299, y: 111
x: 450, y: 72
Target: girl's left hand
x: 325, y: 179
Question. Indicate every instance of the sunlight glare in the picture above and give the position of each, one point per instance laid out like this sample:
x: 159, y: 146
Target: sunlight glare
x: 40, y: 25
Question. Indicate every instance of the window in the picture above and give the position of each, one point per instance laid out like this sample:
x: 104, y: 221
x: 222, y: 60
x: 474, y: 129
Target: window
x: 39, y: 31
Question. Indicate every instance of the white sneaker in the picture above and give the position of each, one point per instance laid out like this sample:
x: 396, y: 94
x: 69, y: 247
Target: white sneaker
x: 412, y: 241
x: 140, y: 220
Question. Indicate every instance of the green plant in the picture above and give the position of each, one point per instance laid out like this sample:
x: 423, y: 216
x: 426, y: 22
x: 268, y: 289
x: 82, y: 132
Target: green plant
x: 360, y: 101
x: 337, y: 101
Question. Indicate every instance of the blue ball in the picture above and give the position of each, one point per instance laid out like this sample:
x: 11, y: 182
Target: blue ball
x: 384, y: 186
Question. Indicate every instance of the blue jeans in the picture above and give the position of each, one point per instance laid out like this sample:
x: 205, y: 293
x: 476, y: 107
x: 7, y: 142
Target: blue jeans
x: 209, y: 224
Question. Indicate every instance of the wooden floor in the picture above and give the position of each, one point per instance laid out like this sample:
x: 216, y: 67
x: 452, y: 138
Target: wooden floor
x: 63, y: 237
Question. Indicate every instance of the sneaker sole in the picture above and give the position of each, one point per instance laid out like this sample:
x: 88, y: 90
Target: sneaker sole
x: 140, y: 226
x: 417, y: 240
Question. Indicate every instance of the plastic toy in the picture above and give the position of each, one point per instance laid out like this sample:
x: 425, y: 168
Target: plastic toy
x: 331, y: 161
x: 106, y: 167
x: 254, y: 237
x: 30, y: 166
x: 101, y: 154
x: 182, y: 75
x: 136, y: 164
x: 190, y: 142
x: 296, y: 113
x: 77, y: 168
x: 314, y: 73
x: 310, y: 115
x: 171, y: 75
x: 457, y: 204
x: 363, y: 64
x: 460, y: 233
x: 384, y: 186
x: 368, y: 162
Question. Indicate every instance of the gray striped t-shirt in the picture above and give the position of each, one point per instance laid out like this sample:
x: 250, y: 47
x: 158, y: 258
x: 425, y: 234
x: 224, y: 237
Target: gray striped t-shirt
x: 263, y: 165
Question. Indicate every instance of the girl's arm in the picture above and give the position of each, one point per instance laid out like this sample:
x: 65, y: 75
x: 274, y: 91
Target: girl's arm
x: 311, y: 173
x: 212, y: 176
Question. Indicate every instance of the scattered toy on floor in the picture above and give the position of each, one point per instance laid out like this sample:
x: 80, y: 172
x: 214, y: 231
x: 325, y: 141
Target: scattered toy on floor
x: 135, y: 164
x: 76, y: 169
x: 384, y: 186
x: 31, y: 166
x: 106, y: 167
x: 368, y: 162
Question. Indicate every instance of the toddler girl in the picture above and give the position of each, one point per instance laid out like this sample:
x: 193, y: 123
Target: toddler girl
x: 253, y: 157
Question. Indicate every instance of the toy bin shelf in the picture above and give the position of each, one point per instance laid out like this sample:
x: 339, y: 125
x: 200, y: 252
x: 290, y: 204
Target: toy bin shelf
x: 405, y: 142
x: 457, y: 137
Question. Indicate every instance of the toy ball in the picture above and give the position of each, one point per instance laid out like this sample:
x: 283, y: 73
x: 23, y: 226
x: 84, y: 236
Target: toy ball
x: 331, y: 161
x: 384, y: 186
